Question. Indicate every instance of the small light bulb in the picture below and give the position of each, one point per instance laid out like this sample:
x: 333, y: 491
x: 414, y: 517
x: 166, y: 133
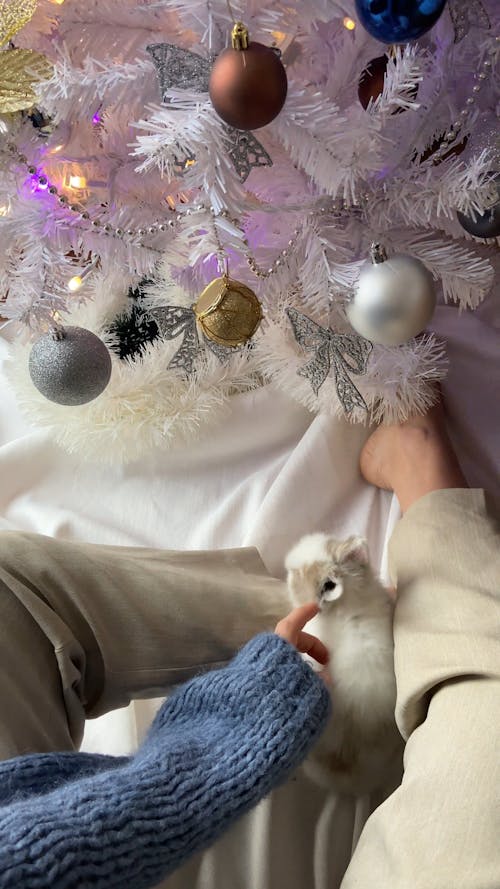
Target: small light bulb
x: 77, y: 182
x: 279, y: 36
x: 170, y: 201
x: 75, y: 283
x: 4, y: 210
x: 57, y: 2
x: 349, y: 23
x: 190, y: 162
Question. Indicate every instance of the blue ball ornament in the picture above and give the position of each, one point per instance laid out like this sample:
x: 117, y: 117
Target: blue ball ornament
x: 398, y: 21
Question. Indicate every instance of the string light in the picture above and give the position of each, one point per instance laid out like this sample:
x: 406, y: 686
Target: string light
x: 75, y: 283
x: 282, y: 41
x: 4, y: 210
x: 57, y: 2
x: 348, y: 23
x: 77, y: 182
x: 182, y: 197
x: 60, y: 139
x: 98, y: 223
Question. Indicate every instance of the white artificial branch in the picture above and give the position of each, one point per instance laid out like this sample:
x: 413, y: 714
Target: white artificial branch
x: 288, y: 218
x: 334, y: 149
x: 190, y: 128
x: 404, y: 73
x: 399, y: 380
x: 465, y: 277
x: 438, y: 192
x: 73, y: 91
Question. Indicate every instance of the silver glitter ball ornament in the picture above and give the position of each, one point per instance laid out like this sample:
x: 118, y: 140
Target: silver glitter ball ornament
x: 394, y: 299
x: 70, y: 365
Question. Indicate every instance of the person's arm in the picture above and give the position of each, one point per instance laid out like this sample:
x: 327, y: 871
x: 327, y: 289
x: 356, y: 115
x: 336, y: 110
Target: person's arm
x: 441, y: 827
x: 216, y: 747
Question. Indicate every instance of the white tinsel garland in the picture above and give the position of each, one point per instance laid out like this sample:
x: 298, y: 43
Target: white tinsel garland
x: 146, y: 406
x: 399, y: 380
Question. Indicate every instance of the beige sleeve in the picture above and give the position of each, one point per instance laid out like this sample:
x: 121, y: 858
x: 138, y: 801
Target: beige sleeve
x: 441, y: 828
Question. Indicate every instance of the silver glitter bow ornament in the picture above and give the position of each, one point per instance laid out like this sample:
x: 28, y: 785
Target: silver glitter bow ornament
x: 245, y: 152
x: 347, y: 353
x: 467, y: 13
x: 177, y: 67
x: 180, y: 68
x: 173, y: 321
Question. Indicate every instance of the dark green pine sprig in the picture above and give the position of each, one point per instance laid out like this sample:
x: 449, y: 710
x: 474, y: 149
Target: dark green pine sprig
x: 134, y: 329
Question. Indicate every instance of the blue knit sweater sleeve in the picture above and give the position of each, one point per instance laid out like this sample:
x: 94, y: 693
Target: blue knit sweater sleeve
x: 216, y: 747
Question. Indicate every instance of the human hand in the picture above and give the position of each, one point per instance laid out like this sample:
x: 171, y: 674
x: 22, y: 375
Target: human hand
x: 290, y: 628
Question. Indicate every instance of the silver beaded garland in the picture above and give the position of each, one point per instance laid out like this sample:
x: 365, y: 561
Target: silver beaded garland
x: 339, y: 206
x: 457, y: 125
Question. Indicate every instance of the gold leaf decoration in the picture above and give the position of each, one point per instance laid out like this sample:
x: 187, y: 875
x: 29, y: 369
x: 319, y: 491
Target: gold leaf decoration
x: 19, y: 70
x: 14, y: 14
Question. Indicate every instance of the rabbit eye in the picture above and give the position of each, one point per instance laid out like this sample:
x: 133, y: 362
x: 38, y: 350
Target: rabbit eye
x: 328, y: 585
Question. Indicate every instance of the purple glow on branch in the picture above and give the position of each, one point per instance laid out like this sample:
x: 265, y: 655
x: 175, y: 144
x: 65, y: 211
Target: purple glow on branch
x: 38, y: 182
x: 97, y: 118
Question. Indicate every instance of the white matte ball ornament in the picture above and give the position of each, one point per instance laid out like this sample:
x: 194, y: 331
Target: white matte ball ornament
x: 394, y: 299
x: 70, y: 365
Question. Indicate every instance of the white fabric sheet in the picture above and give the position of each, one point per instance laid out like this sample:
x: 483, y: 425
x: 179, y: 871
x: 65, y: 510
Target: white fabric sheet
x: 271, y: 473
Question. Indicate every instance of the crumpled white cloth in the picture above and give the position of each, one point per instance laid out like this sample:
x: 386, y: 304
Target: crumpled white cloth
x: 270, y: 473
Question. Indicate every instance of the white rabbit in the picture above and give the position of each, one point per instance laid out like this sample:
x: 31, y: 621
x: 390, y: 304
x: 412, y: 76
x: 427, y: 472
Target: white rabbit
x: 361, y: 748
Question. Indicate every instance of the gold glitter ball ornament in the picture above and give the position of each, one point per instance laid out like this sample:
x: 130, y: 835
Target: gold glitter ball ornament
x: 19, y: 70
x: 228, y: 312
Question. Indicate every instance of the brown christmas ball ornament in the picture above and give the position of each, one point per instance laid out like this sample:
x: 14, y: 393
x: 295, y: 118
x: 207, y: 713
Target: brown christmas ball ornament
x: 228, y: 312
x: 248, y: 83
x: 371, y: 82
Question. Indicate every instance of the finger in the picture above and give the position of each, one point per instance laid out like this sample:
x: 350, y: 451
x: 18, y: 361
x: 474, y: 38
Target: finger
x: 312, y: 646
x: 325, y: 676
x: 297, y: 618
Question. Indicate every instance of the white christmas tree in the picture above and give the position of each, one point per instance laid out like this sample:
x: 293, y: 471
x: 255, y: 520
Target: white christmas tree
x: 123, y: 191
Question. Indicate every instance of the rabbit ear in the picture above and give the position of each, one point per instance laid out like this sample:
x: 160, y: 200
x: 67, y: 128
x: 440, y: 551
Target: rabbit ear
x: 354, y: 549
